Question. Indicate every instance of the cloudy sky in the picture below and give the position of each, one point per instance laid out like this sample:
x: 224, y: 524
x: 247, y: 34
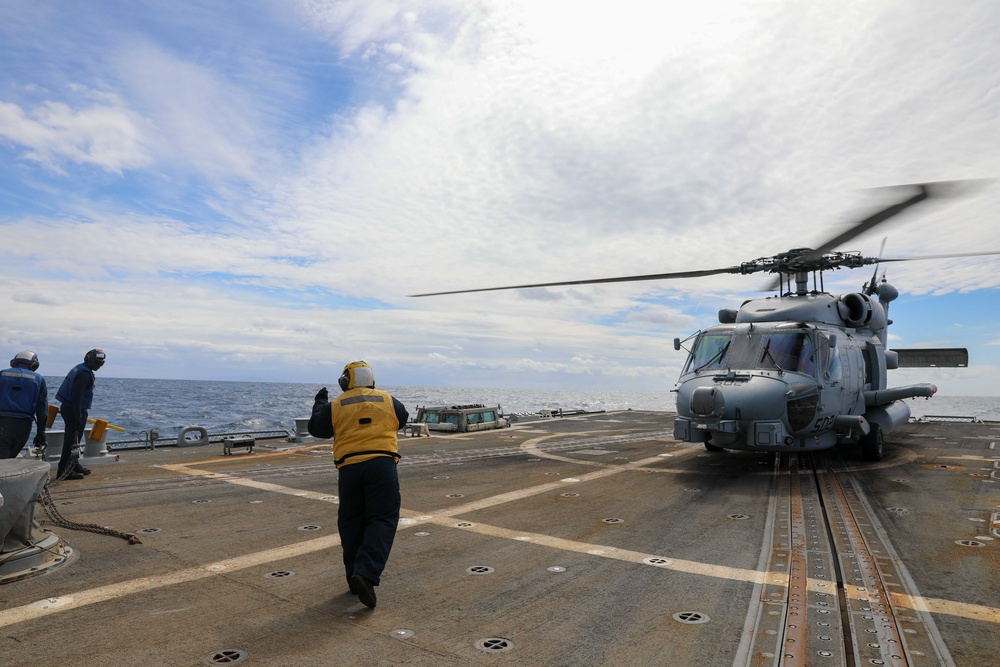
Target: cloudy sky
x: 211, y: 194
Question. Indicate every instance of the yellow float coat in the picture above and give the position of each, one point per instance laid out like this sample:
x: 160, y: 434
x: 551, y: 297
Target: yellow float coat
x: 364, y: 426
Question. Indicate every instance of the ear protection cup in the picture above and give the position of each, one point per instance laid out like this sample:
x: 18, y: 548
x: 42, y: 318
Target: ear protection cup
x: 357, y: 374
x: 94, y: 359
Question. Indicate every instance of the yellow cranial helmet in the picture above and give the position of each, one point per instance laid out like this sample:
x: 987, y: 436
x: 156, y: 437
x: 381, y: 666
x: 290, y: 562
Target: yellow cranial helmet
x: 357, y: 374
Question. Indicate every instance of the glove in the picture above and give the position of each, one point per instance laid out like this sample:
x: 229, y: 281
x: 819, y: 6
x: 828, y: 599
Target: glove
x: 39, y: 440
x: 322, y: 395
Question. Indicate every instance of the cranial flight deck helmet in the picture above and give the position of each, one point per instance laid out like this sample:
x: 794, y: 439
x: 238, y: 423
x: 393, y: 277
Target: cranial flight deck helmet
x: 357, y: 374
x: 94, y: 359
x: 26, y: 359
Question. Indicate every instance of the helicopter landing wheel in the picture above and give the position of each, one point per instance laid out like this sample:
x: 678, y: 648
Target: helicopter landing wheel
x: 873, y: 444
x: 713, y: 448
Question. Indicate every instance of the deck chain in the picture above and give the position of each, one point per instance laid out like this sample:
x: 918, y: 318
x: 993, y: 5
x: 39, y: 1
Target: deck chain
x: 55, y: 518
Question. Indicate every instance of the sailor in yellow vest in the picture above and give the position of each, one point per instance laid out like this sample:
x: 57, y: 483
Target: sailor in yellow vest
x: 363, y: 422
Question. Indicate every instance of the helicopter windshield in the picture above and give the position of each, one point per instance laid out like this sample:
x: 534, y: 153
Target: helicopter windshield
x: 787, y: 351
x: 709, y: 351
x: 791, y: 351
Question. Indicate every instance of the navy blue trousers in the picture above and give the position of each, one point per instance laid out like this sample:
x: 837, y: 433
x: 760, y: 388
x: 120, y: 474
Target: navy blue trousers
x: 368, y: 515
x: 14, y: 432
x: 72, y: 437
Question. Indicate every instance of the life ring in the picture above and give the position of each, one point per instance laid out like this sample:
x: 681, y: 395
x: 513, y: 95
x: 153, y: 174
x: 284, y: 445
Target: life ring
x: 202, y: 439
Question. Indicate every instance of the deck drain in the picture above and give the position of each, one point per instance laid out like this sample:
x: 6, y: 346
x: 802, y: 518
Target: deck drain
x: 441, y: 477
x: 454, y: 495
x: 310, y: 527
x: 200, y: 501
x: 656, y: 560
x: 739, y: 516
x: 229, y: 656
x: 532, y: 460
x: 149, y: 531
x: 898, y: 511
x: 422, y: 533
x: 556, y: 568
x: 691, y: 617
x: 970, y: 543
x: 553, y: 474
x: 328, y: 498
x: 480, y: 569
x: 570, y: 495
x: 279, y: 574
x: 692, y: 490
x: 68, y: 502
x: 494, y: 645
x: 401, y: 634
x: 613, y: 520
x: 464, y: 524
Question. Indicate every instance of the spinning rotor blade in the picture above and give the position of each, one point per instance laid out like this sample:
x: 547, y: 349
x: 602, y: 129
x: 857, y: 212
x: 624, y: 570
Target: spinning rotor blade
x: 623, y: 279
x: 773, y: 264
x: 948, y: 256
x: 871, y: 221
x: 926, y: 190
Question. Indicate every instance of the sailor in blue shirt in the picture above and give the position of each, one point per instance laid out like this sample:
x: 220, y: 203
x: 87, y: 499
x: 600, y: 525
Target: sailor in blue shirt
x: 76, y: 394
x: 23, y: 398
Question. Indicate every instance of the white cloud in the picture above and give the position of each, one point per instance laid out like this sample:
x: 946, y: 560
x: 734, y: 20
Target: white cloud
x: 491, y: 143
x: 106, y: 135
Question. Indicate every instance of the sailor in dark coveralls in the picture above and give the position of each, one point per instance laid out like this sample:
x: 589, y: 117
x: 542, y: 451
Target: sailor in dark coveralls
x: 76, y: 393
x: 363, y: 422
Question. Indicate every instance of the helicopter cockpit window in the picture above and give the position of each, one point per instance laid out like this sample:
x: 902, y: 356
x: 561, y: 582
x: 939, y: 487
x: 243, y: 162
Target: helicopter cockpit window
x: 709, y: 352
x: 792, y: 351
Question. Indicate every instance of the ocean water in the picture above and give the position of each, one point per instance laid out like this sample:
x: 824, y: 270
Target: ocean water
x: 138, y: 405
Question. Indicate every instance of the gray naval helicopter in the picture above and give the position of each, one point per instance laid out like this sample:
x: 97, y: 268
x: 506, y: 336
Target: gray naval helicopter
x: 804, y: 370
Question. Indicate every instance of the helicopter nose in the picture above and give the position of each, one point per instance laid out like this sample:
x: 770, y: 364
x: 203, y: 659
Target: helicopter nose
x: 708, y: 402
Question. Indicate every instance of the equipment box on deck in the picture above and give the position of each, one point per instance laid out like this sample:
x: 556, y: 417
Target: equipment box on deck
x: 237, y: 441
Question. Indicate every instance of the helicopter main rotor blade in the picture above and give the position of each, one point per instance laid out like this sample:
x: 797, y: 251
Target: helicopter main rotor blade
x: 871, y: 221
x: 926, y: 190
x: 809, y: 260
x: 594, y: 281
x: 948, y: 256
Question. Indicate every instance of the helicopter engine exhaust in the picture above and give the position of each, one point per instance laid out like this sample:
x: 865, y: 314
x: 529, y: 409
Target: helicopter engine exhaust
x: 856, y: 309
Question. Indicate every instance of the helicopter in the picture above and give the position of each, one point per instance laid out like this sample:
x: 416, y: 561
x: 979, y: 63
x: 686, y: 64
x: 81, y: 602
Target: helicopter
x: 804, y: 370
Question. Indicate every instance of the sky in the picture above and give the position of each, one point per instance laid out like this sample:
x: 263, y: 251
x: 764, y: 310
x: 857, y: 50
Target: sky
x: 207, y: 193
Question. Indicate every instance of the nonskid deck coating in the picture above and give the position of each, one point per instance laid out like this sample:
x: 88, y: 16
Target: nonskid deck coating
x: 587, y: 540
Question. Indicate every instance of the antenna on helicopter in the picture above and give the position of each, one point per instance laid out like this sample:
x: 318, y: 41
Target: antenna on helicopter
x: 871, y: 287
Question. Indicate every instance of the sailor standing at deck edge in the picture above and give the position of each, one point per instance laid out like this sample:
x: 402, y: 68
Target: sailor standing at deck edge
x: 363, y: 422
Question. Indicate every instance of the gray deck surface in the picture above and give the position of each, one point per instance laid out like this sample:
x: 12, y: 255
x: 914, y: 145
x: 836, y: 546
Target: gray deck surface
x: 590, y: 540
